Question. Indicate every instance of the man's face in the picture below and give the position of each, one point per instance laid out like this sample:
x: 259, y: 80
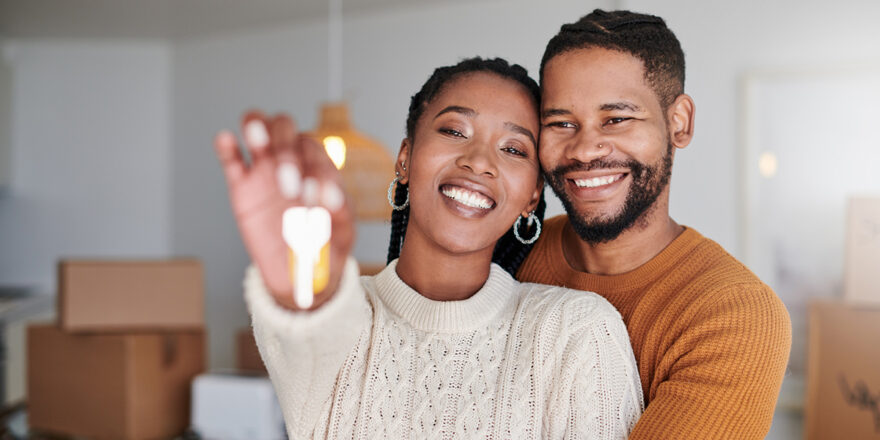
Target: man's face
x: 604, y: 144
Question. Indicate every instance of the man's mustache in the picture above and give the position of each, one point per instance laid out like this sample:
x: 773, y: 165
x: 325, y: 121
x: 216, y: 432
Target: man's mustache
x: 634, y: 166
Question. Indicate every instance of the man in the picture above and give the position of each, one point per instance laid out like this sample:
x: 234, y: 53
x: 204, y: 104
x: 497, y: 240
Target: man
x: 711, y: 340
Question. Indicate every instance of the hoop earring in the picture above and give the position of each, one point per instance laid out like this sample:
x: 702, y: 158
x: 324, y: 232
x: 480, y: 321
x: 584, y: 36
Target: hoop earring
x: 532, y: 219
x: 391, y: 195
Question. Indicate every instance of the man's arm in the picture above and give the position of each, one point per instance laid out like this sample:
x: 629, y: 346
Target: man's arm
x: 721, y: 376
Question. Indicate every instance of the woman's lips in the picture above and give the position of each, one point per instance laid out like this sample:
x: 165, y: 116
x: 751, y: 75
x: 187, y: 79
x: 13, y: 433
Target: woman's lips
x: 467, y: 197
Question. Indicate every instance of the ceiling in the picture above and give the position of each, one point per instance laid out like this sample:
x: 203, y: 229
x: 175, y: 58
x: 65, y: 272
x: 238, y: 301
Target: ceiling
x: 163, y: 18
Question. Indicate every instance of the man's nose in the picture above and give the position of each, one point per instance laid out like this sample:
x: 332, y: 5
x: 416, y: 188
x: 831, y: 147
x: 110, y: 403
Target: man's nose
x: 588, y: 145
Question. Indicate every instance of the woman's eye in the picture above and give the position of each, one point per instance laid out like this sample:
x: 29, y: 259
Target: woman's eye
x: 515, y: 150
x: 452, y: 132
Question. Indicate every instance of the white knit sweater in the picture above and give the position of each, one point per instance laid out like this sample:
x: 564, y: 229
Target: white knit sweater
x: 515, y: 360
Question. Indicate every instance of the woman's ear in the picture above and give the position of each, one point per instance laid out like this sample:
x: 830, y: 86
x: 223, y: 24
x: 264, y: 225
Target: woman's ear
x: 536, y: 197
x: 681, y: 121
x: 400, y: 167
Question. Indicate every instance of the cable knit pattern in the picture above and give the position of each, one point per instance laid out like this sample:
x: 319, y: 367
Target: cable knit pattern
x: 515, y: 360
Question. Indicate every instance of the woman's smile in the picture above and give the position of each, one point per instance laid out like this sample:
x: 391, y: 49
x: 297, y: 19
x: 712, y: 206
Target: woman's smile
x: 467, y: 198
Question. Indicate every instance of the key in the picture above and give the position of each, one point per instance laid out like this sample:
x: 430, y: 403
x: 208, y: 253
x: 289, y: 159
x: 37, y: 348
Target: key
x: 306, y: 230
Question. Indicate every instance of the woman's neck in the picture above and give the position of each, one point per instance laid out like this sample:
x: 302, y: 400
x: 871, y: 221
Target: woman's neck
x: 440, y: 275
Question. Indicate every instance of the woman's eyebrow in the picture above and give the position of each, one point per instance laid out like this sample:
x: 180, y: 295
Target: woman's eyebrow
x: 521, y: 130
x: 469, y: 112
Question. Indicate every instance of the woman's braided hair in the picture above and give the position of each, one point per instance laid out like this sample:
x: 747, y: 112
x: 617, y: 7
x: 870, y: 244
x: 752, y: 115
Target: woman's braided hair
x: 509, y: 252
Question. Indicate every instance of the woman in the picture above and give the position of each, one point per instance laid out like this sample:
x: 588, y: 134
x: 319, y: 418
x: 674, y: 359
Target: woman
x: 441, y: 343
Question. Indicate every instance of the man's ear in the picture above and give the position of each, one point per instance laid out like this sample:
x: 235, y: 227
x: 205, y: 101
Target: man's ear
x: 536, y: 197
x: 681, y: 121
x: 401, y: 166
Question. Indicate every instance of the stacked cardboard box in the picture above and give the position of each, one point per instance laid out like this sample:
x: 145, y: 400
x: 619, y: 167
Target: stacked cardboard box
x: 248, y: 358
x: 120, y: 362
x: 843, y: 383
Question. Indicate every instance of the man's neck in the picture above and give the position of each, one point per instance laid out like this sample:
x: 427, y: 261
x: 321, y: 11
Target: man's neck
x: 629, y: 251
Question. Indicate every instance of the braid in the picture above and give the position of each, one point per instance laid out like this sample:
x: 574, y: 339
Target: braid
x: 399, y: 219
x: 643, y: 36
x: 509, y: 253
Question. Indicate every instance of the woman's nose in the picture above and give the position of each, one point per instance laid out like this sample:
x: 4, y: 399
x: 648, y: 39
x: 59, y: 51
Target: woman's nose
x: 479, y: 159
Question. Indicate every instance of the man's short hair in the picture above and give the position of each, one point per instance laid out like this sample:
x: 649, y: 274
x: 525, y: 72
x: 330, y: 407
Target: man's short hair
x: 643, y: 36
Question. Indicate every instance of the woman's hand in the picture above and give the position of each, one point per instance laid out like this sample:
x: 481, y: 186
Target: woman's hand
x: 260, y: 194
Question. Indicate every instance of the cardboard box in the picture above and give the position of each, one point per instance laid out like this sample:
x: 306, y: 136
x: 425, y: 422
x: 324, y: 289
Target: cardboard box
x: 247, y: 354
x: 111, y: 386
x: 843, y: 378
x: 371, y: 269
x: 862, y: 269
x: 130, y: 295
x: 233, y: 407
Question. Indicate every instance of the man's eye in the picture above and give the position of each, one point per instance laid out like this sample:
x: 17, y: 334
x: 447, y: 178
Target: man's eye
x: 560, y: 124
x: 613, y: 121
x: 452, y: 132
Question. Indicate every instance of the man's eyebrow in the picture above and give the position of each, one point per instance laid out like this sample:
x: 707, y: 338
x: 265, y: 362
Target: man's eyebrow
x: 622, y: 105
x: 521, y: 130
x: 548, y: 112
x: 469, y: 112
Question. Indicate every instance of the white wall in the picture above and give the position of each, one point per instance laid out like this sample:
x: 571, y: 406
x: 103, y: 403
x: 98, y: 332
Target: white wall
x: 5, y: 122
x: 387, y: 57
x: 90, y: 153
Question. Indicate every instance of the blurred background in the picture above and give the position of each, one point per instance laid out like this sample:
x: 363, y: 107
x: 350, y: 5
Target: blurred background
x: 108, y: 109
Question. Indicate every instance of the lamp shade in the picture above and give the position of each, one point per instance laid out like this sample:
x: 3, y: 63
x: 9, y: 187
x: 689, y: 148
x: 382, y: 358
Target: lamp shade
x: 367, y: 167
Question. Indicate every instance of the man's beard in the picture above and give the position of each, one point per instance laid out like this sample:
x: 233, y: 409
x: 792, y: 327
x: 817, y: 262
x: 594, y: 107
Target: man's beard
x: 648, y: 181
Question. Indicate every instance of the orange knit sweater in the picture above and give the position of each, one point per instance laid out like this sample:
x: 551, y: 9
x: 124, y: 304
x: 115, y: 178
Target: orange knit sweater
x: 711, y: 340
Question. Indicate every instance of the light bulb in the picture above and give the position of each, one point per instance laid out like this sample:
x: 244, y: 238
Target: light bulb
x: 768, y: 164
x: 335, y: 147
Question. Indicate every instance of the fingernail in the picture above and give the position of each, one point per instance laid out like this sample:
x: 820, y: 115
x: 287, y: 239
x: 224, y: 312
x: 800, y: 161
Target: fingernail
x: 225, y: 136
x: 256, y: 134
x: 289, y: 180
x: 310, y: 191
x: 332, y: 196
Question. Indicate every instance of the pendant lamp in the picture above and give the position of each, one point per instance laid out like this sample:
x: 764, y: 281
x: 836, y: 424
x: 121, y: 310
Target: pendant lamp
x: 366, y: 166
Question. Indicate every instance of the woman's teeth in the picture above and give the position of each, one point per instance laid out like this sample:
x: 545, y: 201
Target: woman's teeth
x: 597, y: 181
x: 467, y: 198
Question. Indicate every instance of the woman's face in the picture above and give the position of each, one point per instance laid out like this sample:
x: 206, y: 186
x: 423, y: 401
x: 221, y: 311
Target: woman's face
x: 473, y: 167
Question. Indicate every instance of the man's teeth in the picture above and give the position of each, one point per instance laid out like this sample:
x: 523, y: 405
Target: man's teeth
x: 474, y: 200
x: 597, y: 181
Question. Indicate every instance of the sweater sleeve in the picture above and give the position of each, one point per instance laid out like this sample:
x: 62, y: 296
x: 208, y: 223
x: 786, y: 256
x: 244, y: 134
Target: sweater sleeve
x: 304, y: 351
x: 606, y: 397
x: 721, y: 377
